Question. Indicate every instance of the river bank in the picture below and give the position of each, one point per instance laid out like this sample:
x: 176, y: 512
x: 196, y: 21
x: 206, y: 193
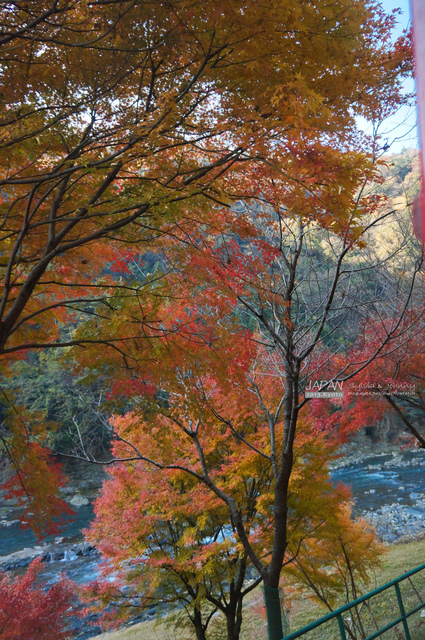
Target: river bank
x: 388, y: 490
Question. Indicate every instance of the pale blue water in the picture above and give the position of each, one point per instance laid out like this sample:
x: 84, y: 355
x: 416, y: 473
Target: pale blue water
x: 392, y: 483
x: 14, y: 538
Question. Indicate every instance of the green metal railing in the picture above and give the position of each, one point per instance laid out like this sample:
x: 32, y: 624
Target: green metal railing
x: 344, y: 626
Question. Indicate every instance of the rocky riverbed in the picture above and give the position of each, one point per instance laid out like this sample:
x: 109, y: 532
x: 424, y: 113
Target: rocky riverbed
x: 388, y: 491
x: 65, y: 553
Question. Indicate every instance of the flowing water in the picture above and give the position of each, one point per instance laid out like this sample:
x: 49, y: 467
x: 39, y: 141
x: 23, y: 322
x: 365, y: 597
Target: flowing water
x: 384, y: 479
x: 14, y: 538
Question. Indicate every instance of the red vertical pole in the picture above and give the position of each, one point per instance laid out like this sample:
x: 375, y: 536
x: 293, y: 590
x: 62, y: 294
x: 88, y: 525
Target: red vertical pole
x: 418, y: 20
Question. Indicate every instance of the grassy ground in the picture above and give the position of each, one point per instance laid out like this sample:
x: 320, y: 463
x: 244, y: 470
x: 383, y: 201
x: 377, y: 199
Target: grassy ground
x: 400, y: 558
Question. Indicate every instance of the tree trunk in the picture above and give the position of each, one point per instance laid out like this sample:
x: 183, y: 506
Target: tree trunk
x: 232, y: 633
x: 234, y: 620
x: 200, y: 633
x: 272, y: 574
x: 197, y: 623
x: 274, y: 612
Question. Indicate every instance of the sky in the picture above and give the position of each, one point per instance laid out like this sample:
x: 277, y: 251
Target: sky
x: 400, y: 131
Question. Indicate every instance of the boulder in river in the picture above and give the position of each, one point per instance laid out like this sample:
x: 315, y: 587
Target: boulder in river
x: 79, y: 501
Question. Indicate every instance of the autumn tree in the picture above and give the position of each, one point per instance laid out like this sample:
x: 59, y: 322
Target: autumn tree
x: 102, y: 132
x: 30, y: 612
x: 338, y: 568
x: 168, y: 536
x: 299, y: 295
x: 268, y: 273
x: 169, y: 543
x: 116, y: 114
x: 324, y: 65
x: 209, y: 385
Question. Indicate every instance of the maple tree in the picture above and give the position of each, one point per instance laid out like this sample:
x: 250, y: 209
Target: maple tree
x: 337, y: 567
x: 113, y: 117
x: 30, y: 612
x: 118, y: 113
x: 167, y: 535
x: 391, y: 383
x: 211, y: 409
x: 272, y: 277
x: 164, y: 111
x: 171, y: 544
x: 106, y: 141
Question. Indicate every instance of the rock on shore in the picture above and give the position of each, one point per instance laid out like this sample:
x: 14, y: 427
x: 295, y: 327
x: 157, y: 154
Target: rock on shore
x: 47, y: 553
